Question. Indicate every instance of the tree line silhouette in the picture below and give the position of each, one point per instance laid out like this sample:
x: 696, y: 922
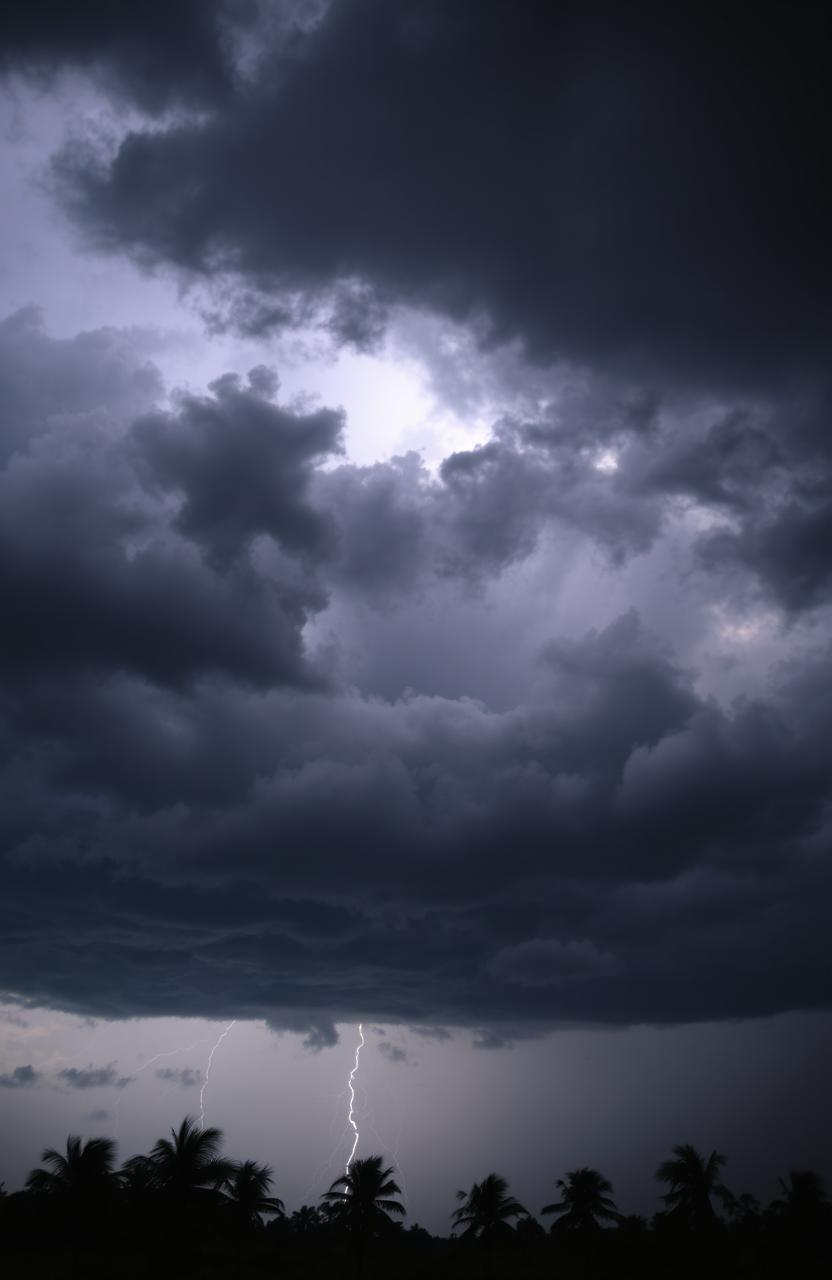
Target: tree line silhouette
x: 186, y: 1209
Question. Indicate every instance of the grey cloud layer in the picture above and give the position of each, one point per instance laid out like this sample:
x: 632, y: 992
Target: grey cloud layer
x: 93, y: 1077
x: 202, y: 812
x: 86, y: 1077
x: 615, y: 189
x: 20, y: 1078
x: 191, y: 794
x: 610, y: 185
x: 176, y: 53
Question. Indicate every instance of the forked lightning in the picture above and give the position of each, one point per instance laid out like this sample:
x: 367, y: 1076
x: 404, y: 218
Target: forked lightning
x: 351, y: 1086
x: 214, y: 1048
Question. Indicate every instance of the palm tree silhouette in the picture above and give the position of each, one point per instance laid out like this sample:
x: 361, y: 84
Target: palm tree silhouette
x: 360, y: 1201
x: 804, y: 1208
x: 306, y: 1219
x: 77, y: 1188
x: 586, y: 1201
x: 692, y: 1180
x: 189, y: 1162
x: 487, y: 1208
x: 248, y: 1191
x: 741, y: 1208
x: 86, y: 1170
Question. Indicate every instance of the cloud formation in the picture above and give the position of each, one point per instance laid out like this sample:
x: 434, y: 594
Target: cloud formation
x: 221, y: 796
x: 179, y: 54
x: 645, y: 201
x: 193, y: 794
x: 20, y: 1078
x: 93, y: 1077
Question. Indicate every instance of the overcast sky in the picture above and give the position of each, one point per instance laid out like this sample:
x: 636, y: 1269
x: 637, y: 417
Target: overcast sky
x: 416, y: 564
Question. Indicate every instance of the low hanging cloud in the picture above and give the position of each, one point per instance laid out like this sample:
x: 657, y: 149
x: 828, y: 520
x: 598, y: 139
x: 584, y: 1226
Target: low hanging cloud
x: 176, y: 55
x: 705, y: 258
x: 20, y: 1078
x: 704, y: 269
x: 93, y: 1077
x: 202, y: 817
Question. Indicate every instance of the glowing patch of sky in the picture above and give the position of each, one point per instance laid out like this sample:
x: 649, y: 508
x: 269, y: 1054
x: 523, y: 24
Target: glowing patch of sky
x: 390, y: 405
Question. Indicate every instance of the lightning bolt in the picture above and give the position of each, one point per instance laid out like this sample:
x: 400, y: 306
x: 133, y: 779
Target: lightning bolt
x: 214, y: 1048
x: 351, y: 1087
x: 166, y: 1053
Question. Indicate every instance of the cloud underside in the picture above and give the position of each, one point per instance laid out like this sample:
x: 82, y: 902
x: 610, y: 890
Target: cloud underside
x: 20, y: 1078
x: 204, y: 810
x: 201, y: 816
x: 93, y: 1077
x: 606, y: 187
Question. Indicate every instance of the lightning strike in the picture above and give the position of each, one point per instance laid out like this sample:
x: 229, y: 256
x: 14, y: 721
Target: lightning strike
x: 214, y: 1048
x: 166, y: 1053
x: 351, y: 1087
x: 169, y: 1053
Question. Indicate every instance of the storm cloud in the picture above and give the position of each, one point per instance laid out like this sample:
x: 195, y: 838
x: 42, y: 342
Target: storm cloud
x: 93, y: 1077
x: 240, y: 837
x: 20, y: 1078
x: 607, y: 186
x: 223, y: 793
x: 177, y: 54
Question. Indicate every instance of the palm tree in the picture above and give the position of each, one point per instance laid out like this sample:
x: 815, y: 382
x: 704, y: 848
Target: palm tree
x: 141, y: 1195
x: 306, y: 1219
x: 487, y: 1208
x: 586, y: 1201
x: 189, y: 1162
x: 248, y: 1191
x: 138, y: 1177
x: 79, y: 1187
x: 740, y: 1209
x: 692, y: 1180
x: 804, y: 1208
x: 360, y: 1201
x: 85, y: 1171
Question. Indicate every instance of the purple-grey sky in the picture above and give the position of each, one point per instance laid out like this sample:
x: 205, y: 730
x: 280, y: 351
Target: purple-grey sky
x: 416, y: 555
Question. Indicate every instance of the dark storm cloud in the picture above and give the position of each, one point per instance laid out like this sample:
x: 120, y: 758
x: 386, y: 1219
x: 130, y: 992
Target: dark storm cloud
x: 396, y: 524
x: 20, y: 1078
x: 790, y: 552
x: 675, y: 870
x: 618, y: 186
x: 764, y: 475
x: 197, y: 819
x: 48, y: 381
x: 178, y: 52
x: 100, y: 571
x: 621, y: 190
x: 759, y: 474
x: 93, y: 1077
x: 242, y: 466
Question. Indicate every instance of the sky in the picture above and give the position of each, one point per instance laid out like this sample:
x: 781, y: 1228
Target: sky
x: 416, y: 555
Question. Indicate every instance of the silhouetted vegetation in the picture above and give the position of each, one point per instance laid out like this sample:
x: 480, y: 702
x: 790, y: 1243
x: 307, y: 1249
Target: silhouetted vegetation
x: 184, y: 1209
